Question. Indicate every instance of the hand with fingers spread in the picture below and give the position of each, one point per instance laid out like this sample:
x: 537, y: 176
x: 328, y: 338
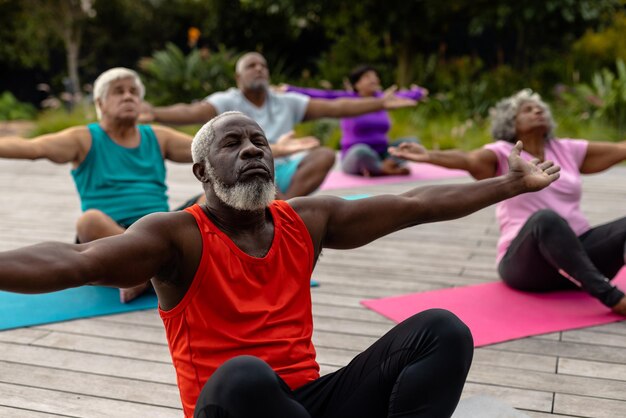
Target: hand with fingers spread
x: 535, y: 175
x: 392, y: 101
x: 288, y: 144
x: 410, y: 151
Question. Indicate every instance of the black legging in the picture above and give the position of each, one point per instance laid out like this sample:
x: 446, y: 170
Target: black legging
x: 417, y: 369
x: 547, y: 255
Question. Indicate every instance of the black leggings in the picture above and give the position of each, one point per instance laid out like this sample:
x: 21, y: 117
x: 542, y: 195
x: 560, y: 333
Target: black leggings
x: 417, y: 369
x: 547, y: 255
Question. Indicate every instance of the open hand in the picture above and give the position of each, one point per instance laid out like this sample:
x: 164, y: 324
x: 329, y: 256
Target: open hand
x: 535, y: 175
x: 281, y: 88
x: 391, y: 101
x: 410, y: 151
x: 288, y: 144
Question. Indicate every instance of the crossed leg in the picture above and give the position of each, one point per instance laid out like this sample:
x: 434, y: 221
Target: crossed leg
x: 416, y: 370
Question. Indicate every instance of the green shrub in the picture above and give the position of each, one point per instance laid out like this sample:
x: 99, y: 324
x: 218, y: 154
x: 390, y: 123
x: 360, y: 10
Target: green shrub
x: 173, y: 77
x: 602, y: 100
x: 55, y: 120
x: 13, y: 109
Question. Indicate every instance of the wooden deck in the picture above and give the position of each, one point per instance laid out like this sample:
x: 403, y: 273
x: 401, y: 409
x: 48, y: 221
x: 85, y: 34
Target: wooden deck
x: 119, y: 366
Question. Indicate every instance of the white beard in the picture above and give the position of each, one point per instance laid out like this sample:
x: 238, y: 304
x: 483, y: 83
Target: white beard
x: 246, y: 196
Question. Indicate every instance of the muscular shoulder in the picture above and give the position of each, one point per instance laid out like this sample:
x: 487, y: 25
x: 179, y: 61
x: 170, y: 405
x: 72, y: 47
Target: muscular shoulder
x: 315, y: 210
x: 167, y: 226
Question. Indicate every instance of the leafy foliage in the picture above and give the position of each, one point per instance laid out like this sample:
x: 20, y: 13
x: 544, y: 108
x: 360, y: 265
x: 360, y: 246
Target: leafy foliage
x: 12, y: 109
x: 173, y: 77
x: 604, y: 98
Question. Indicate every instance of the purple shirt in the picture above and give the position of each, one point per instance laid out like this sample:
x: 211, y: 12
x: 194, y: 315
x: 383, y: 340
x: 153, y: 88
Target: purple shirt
x: 563, y: 196
x: 371, y: 128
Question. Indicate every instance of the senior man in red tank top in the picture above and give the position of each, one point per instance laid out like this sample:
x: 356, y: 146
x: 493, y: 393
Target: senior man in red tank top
x: 232, y: 278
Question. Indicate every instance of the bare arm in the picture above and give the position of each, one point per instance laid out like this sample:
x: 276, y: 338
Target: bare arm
x: 347, y: 107
x: 338, y: 223
x: 603, y: 155
x: 175, y: 145
x: 179, y: 114
x: 69, y: 145
x: 122, y: 260
x: 480, y: 163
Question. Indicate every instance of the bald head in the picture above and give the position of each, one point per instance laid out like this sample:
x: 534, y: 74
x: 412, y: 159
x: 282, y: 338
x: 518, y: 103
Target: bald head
x: 251, y: 72
x: 241, y: 62
x: 206, y: 135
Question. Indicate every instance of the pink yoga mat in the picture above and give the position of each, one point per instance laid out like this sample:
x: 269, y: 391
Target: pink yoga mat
x: 337, y: 179
x: 496, y: 313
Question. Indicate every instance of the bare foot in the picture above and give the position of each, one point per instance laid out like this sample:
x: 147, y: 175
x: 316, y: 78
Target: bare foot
x: 391, y: 168
x: 620, y: 308
x: 130, y: 293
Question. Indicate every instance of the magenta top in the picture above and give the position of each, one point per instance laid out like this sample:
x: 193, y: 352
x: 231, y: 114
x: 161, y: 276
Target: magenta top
x: 563, y: 196
x: 371, y: 128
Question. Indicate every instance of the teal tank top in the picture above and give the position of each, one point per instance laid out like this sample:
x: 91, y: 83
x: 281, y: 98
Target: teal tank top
x: 125, y: 183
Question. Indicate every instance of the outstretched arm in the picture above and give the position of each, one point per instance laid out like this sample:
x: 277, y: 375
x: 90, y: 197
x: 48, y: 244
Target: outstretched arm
x: 69, y: 145
x: 338, y: 223
x: 480, y: 163
x: 122, y: 260
x: 178, y: 114
x: 347, y: 107
x: 320, y: 93
x: 603, y: 155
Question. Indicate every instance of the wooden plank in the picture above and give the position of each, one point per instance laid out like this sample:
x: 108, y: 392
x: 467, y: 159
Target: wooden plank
x: 79, y: 383
x: 598, y: 369
x: 548, y: 382
x: 62, y: 403
x: 24, y: 413
x: 588, y: 407
x: 517, y: 398
x: 130, y: 368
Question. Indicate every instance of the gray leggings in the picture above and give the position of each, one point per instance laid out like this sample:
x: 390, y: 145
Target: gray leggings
x: 362, y: 157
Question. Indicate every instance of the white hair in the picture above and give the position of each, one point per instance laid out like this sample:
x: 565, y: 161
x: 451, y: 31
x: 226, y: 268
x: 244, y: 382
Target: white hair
x: 104, y: 80
x: 505, y: 111
x: 205, y: 136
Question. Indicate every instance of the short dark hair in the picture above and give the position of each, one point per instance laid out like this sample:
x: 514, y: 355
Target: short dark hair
x: 358, y: 72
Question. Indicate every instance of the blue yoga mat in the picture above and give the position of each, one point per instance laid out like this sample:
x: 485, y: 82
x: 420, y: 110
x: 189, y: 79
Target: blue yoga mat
x: 356, y: 196
x: 18, y: 310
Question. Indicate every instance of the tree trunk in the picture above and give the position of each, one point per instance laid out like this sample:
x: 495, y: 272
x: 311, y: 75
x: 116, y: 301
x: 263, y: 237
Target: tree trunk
x: 72, y: 47
x: 405, y: 65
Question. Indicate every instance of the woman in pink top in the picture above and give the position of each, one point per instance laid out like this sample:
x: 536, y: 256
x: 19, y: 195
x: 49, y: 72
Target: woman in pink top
x: 546, y: 243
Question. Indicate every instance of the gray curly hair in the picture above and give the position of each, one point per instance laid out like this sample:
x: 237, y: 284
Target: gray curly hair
x: 205, y: 136
x: 505, y: 111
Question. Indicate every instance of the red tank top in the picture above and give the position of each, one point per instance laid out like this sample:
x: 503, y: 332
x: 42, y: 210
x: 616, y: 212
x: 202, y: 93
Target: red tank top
x: 238, y: 304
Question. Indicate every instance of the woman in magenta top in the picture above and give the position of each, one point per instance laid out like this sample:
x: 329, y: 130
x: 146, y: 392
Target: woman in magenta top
x: 364, y: 139
x: 546, y: 243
